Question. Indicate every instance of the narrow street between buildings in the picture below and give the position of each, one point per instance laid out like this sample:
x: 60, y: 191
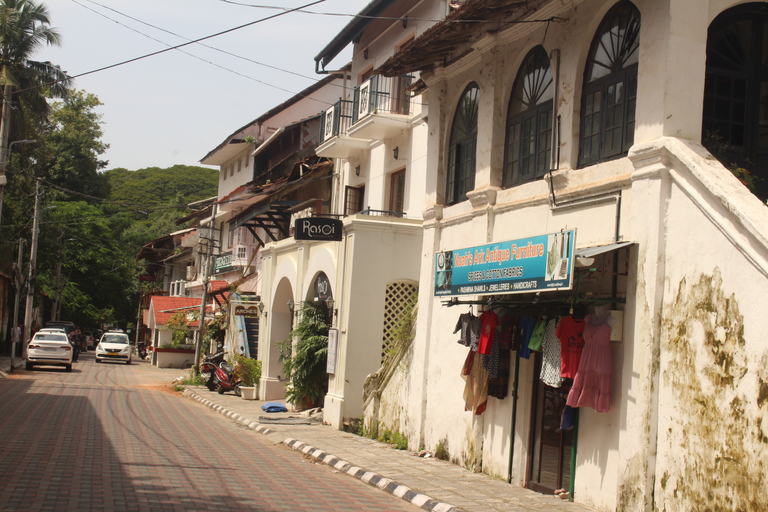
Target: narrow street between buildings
x: 117, y: 437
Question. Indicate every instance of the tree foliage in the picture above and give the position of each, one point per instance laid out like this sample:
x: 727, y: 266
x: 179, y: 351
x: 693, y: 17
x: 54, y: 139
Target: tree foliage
x: 306, y: 365
x: 156, y: 186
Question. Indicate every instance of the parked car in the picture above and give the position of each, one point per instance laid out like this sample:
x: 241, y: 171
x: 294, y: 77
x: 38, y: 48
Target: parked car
x: 89, y: 339
x: 49, y: 348
x: 113, y: 346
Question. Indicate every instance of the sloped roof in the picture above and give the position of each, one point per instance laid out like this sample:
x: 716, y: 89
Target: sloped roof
x: 163, y: 308
x: 451, y: 38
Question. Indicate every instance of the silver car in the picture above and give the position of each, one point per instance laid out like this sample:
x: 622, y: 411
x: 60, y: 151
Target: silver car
x: 114, y: 346
x: 49, y: 348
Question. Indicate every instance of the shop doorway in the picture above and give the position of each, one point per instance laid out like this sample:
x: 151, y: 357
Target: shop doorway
x: 549, y: 459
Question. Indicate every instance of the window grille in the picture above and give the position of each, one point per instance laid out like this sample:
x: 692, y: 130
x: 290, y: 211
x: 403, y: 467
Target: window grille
x: 463, y: 146
x: 610, y: 87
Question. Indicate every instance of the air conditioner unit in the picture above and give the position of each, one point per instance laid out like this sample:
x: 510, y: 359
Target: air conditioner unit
x: 191, y: 273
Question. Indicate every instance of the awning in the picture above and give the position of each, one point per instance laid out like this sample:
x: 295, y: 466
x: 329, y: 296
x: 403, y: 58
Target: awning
x: 591, y: 252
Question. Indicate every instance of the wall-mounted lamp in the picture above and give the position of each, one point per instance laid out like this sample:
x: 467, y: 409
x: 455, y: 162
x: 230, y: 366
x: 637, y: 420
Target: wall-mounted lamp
x: 396, y: 152
x: 357, y: 171
x: 405, y: 22
x: 291, y: 306
x: 260, y: 305
x: 329, y: 302
x: 365, y: 53
x: 584, y: 262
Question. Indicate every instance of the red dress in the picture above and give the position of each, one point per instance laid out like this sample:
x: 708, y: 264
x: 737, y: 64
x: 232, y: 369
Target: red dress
x: 592, y: 385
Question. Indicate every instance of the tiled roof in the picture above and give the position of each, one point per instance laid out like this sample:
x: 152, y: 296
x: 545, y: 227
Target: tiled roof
x: 217, y: 284
x: 161, y: 304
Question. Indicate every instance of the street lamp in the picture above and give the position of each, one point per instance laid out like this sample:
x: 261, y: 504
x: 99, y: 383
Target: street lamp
x: 4, y: 157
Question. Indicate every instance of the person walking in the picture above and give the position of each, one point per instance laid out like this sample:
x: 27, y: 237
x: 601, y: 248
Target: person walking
x: 75, y: 339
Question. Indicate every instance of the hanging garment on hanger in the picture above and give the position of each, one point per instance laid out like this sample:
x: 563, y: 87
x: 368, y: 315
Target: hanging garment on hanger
x: 507, y: 330
x: 475, y: 384
x: 527, y: 324
x: 534, y: 344
x: 592, y: 384
x: 550, y: 363
x: 498, y: 381
x: 489, y: 321
x: 570, y: 331
x: 470, y: 327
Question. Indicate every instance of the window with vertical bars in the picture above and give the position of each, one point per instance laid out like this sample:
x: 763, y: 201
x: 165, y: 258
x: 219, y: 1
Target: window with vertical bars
x: 528, y: 146
x: 735, y: 113
x: 463, y: 146
x: 610, y: 87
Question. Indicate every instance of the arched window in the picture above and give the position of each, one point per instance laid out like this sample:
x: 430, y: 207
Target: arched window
x: 463, y: 145
x: 528, y: 145
x: 735, y: 116
x: 610, y: 87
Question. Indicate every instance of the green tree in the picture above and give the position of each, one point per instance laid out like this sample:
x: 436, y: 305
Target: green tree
x: 71, y: 146
x: 24, y: 28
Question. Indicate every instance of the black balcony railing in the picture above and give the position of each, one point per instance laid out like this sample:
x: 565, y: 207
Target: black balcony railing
x: 381, y: 213
x: 336, y: 120
x: 382, y: 94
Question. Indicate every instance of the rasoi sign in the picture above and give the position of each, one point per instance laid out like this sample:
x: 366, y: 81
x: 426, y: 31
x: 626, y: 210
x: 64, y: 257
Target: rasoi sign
x: 539, y: 263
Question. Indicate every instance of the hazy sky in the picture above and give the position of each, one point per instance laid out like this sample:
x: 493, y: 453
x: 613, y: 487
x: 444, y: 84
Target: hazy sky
x: 173, y: 108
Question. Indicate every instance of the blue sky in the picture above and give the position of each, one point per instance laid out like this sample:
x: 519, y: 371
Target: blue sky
x: 173, y: 108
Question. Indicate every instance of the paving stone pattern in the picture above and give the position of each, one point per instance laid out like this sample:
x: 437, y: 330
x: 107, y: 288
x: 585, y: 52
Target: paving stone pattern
x: 106, y: 437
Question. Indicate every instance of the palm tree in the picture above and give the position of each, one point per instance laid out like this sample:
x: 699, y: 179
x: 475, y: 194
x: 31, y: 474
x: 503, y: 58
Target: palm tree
x: 24, y: 28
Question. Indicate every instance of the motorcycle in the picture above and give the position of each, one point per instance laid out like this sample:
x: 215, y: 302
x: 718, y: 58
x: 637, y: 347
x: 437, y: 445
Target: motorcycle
x: 141, y: 348
x: 208, y: 368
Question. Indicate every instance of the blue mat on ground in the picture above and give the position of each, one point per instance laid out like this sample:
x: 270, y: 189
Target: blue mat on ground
x: 274, y: 407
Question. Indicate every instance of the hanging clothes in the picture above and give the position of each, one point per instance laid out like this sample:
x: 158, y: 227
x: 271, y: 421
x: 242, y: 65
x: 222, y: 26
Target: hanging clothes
x: 489, y: 320
x: 527, y: 324
x: 550, y: 364
x: 592, y: 384
x: 508, y: 330
x: 570, y: 331
x: 470, y: 327
x: 534, y: 344
x: 498, y: 386
x: 476, y: 384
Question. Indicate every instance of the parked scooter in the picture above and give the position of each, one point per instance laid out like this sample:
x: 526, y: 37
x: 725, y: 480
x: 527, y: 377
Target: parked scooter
x: 208, y: 368
x: 226, y: 379
x: 141, y: 348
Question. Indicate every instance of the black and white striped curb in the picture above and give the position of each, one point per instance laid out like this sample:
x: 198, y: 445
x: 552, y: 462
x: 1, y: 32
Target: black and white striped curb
x: 374, y: 479
x: 385, y: 484
x: 253, y: 425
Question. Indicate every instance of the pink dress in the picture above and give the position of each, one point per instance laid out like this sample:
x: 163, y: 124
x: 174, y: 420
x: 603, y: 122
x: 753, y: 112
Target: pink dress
x: 592, y: 384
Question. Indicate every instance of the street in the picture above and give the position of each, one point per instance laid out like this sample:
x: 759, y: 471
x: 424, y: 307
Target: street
x: 117, y: 437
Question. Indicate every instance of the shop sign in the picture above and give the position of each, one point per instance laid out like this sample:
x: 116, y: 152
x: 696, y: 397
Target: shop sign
x: 251, y: 311
x: 147, y: 277
x: 318, y: 228
x: 333, y: 346
x: 222, y: 263
x: 323, y: 288
x: 539, y: 263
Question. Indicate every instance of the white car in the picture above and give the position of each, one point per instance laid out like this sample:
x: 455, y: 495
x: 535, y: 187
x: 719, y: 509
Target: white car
x: 114, y: 346
x: 49, y: 348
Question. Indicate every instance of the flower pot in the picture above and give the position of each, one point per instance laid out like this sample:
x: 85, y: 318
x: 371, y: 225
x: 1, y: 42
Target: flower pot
x: 248, y: 393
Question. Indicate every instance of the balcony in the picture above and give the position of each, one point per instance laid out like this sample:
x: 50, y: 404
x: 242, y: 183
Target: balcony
x: 381, y: 109
x: 334, y: 141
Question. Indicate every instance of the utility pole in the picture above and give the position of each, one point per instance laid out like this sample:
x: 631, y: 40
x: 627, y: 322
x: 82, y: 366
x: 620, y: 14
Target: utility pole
x: 16, y: 338
x: 57, y: 292
x: 32, y: 264
x: 206, y: 279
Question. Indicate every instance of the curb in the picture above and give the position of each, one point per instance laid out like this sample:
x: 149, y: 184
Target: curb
x: 369, y: 477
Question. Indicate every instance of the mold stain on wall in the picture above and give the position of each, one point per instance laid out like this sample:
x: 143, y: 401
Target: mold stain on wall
x: 712, y: 430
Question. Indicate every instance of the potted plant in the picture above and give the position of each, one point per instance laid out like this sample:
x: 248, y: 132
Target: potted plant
x: 249, y: 371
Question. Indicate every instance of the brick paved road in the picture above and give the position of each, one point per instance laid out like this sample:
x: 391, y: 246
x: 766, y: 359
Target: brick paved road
x: 105, y: 437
